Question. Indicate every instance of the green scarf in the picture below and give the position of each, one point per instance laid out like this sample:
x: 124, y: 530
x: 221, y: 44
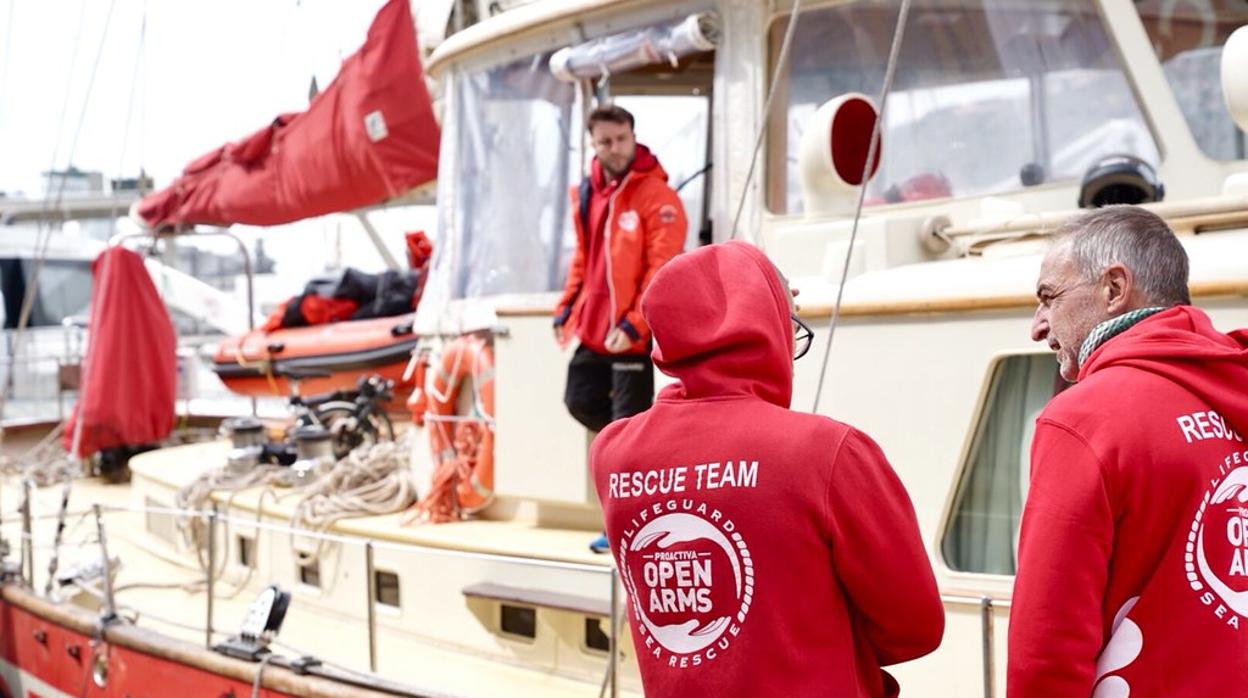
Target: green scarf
x: 1112, y: 328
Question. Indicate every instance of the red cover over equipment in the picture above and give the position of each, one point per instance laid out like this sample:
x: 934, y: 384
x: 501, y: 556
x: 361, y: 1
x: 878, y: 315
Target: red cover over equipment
x: 129, y: 375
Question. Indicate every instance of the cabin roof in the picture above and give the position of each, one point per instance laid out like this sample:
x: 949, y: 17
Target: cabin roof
x: 516, y: 22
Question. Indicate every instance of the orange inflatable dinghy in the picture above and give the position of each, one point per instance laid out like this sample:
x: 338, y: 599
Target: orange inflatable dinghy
x: 254, y: 363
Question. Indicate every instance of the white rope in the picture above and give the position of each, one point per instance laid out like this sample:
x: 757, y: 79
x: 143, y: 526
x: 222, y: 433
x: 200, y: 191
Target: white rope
x: 369, y: 481
x: 258, y: 681
x: 894, y: 51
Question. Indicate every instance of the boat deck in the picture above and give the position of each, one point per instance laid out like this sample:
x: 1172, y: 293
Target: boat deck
x: 178, y: 466
x: 162, y: 590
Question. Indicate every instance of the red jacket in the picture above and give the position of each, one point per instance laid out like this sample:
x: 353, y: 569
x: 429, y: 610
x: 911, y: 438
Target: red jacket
x: 645, y: 227
x: 765, y: 552
x: 1132, y: 556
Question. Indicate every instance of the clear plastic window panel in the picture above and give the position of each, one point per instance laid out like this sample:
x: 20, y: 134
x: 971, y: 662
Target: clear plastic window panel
x: 674, y: 127
x: 1188, y: 39
x: 982, y: 92
x: 514, y: 159
x: 983, y: 531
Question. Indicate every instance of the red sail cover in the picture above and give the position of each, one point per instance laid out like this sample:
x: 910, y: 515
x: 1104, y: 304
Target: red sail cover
x: 129, y: 377
x: 368, y: 137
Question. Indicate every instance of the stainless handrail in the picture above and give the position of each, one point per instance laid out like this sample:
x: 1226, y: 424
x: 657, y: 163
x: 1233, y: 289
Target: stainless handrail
x: 989, y: 643
x: 986, y: 604
x: 110, y: 602
x: 370, y: 571
x: 211, y: 572
x: 370, y: 545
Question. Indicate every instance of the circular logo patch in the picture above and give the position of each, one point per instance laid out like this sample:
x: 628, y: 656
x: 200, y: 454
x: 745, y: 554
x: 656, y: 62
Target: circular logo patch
x: 1217, y: 546
x: 691, y: 579
x: 628, y: 220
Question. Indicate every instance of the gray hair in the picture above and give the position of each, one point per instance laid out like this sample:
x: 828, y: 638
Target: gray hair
x: 1136, y: 238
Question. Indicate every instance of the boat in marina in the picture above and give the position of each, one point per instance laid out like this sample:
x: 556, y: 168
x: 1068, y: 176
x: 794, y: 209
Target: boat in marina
x: 1001, y: 119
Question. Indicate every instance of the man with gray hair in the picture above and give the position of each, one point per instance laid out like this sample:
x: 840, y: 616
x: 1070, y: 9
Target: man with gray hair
x: 1133, y: 553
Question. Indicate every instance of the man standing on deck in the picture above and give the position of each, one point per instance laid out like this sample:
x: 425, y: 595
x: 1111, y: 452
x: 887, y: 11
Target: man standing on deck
x: 1133, y: 555
x: 629, y: 223
x: 765, y: 552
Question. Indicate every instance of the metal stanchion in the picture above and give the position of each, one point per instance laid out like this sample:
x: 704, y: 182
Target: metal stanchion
x: 613, y: 661
x: 371, y: 575
x: 986, y: 623
x: 110, y: 605
x: 212, y: 573
x: 28, y: 542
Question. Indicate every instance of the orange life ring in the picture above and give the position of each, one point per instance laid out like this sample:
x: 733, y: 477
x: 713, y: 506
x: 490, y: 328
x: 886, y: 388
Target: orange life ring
x: 418, y: 401
x: 462, y: 444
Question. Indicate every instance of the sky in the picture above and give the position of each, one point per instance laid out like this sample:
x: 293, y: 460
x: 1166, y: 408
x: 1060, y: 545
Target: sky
x: 174, y: 79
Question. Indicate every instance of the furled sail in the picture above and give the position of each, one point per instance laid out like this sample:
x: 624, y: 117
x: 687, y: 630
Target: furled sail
x: 369, y: 136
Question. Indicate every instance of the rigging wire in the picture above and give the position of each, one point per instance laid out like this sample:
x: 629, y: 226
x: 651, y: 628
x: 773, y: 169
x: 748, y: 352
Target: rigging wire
x: 762, y: 127
x: 42, y: 231
x: 60, y: 193
x: 139, y: 62
x: 894, y: 51
x: 33, y: 281
x: 8, y: 57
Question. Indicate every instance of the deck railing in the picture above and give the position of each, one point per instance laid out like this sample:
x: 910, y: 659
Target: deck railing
x: 213, y: 518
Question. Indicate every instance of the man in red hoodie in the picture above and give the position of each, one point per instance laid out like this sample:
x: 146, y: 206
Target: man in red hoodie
x: 629, y: 223
x: 765, y: 552
x: 1133, y: 555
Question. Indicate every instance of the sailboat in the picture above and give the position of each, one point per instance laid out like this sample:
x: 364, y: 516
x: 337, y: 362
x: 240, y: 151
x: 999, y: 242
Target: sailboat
x: 1000, y: 120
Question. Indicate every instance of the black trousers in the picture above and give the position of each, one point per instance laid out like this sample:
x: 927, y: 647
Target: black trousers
x: 605, y: 387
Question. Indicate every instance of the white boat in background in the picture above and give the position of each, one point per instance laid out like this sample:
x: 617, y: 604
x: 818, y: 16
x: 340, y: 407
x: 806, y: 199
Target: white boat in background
x: 40, y: 370
x: 1003, y: 116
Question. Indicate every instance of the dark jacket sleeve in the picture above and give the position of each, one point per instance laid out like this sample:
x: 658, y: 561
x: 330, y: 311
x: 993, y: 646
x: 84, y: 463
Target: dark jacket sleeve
x: 1063, y: 566
x: 879, y: 554
x: 576, y: 267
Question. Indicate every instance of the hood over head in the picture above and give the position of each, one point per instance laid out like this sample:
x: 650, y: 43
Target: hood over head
x: 644, y: 162
x: 1181, y: 344
x: 721, y: 325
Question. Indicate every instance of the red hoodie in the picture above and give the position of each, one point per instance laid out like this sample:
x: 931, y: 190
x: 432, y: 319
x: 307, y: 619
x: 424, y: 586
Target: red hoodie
x: 636, y: 224
x: 1133, y: 557
x: 765, y: 552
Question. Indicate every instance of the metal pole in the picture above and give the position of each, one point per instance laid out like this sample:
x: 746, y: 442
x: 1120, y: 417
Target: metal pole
x: 986, y: 622
x: 380, y: 244
x: 66, y: 488
x: 248, y: 271
x: 110, y: 606
x: 212, y: 572
x: 370, y: 573
x: 28, y: 544
x: 612, y: 662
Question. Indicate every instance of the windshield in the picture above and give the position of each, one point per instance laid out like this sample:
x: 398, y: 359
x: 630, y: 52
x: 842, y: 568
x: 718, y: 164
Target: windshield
x: 985, y: 99
x: 505, y: 227
x: 1188, y: 39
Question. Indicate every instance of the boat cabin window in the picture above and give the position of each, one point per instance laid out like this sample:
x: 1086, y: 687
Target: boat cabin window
x: 982, y: 533
x: 310, y: 574
x: 506, y: 226
x: 64, y: 290
x: 1188, y: 39
x: 986, y: 96
x: 246, y: 552
x: 595, y: 638
x: 671, y: 100
x: 386, y: 585
x: 517, y: 621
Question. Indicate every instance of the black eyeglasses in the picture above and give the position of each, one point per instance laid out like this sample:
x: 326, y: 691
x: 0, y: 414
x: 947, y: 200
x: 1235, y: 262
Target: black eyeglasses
x: 803, y: 337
